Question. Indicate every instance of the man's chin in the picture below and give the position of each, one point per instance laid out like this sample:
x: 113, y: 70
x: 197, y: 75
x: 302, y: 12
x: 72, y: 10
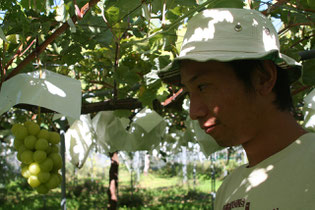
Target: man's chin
x: 224, y: 143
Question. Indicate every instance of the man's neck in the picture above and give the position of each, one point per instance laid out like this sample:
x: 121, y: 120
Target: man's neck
x: 277, y: 133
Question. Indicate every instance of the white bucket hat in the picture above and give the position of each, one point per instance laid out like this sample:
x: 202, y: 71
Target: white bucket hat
x: 228, y: 34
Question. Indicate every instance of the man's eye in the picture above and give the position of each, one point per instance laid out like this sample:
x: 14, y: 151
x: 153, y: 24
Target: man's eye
x: 202, y: 87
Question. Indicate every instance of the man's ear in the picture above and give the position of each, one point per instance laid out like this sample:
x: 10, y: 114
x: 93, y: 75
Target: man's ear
x: 265, y: 78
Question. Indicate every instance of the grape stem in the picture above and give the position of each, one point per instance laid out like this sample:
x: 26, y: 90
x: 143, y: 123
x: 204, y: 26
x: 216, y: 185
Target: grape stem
x: 40, y: 76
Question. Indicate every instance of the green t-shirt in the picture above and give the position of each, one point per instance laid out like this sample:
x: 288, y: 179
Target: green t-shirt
x: 284, y: 181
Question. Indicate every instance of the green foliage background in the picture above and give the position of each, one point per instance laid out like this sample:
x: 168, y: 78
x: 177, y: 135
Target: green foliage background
x: 115, y: 44
x: 111, y: 49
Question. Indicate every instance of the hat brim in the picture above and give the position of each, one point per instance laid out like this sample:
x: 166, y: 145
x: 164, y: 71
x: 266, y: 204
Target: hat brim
x: 171, y: 73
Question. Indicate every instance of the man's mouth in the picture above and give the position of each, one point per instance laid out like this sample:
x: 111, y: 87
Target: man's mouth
x: 209, y: 129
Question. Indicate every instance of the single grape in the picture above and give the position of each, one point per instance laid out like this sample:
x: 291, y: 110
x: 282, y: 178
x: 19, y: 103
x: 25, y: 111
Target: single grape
x: 54, y: 148
x: 54, y: 137
x: 18, y: 143
x: 32, y: 127
x: 56, y: 157
x: 34, y: 168
x: 49, y: 149
x: 22, y: 148
x: 25, y: 172
x: 19, y: 131
x: 43, y: 176
x: 29, y: 142
x: 39, y: 156
x: 27, y: 157
x: 43, y: 134
x: 41, y: 144
x: 33, y: 181
x: 53, y: 181
x: 46, y: 165
x: 42, y: 189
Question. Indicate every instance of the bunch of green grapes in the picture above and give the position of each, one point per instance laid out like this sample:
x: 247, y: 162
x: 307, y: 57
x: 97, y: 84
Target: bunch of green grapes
x: 39, y: 155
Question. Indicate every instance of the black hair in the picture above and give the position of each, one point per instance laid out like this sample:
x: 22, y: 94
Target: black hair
x: 244, y: 70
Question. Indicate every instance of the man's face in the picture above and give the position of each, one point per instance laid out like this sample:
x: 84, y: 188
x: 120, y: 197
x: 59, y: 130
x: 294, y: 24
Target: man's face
x: 219, y: 101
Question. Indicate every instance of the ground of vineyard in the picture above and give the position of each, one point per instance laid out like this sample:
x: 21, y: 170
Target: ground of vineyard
x: 154, y: 191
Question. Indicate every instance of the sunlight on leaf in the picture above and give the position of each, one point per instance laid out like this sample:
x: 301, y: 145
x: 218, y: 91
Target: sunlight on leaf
x: 72, y: 25
x: 2, y: 36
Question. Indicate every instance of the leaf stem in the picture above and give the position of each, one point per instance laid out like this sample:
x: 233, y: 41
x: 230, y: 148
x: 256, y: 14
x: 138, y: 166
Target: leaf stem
x: 108, y: 25
x: 301, y: 89
x: 115, y: 69
x: 3, y: 70
x: 40, y: 76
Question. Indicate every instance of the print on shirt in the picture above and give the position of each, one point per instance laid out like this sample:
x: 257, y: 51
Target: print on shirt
x: 239, y: 203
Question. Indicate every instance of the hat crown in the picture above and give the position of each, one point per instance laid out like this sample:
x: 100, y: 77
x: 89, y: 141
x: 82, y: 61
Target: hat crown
x: 229, y: 30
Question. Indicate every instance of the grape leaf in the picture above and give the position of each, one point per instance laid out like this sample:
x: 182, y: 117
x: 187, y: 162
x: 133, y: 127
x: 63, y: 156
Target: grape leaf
x: 309, y: 72
x: 229, y: 4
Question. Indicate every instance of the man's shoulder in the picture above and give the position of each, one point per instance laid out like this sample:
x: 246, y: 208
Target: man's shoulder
x: 306, y: 142
x: 308, y: 137
x: 236, y: 174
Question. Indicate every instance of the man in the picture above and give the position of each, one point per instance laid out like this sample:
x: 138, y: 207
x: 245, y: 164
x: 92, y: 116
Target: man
x: 239, y: 87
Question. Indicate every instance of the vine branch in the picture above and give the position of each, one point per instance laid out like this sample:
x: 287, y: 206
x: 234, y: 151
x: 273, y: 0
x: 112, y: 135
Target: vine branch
x: 19, y: 52
x: 50, y: 39
x: 301, y: 8
x: 105, y: 84
x: 274, y: 6
x: 129, y: 103
x: 301, y: 40
x: 293, y: 25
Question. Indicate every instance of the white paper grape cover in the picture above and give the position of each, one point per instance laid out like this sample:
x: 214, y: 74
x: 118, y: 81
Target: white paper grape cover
x: 79, y: 140
x: 309, y: 111
x: 147, y: 119
x: 111, y: 132
x: 52, y: 91
x: 146, y: 131
x: 207, y: 143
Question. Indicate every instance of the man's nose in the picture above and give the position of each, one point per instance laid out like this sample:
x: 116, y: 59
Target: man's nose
x: 198, y: 108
